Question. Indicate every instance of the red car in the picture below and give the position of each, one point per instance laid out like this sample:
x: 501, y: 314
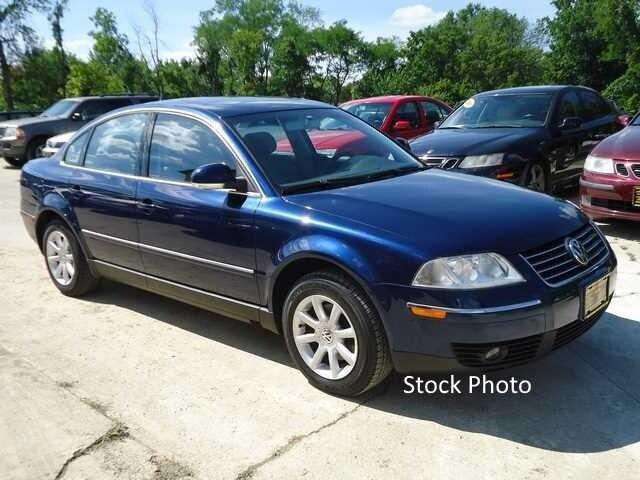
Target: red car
x: 404, y: 116
x: 610, y: 184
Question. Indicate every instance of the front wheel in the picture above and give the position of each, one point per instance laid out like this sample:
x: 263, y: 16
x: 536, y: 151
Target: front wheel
x: 14, y: 162
x: 536, y: 178
x: 334, y: 334
x: 35, y: 149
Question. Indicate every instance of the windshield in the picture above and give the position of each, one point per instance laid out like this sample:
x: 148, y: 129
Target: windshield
x: 60, y: 109
x: 506, y: 110
x: 373, y: 113
x: 320, y: 148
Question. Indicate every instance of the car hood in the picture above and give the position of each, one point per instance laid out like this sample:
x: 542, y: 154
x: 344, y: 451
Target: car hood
x: 23, y: 122
x: 445, y: 213
x: 470, y: 141
x: 63, y: 137
x: 624, y: 145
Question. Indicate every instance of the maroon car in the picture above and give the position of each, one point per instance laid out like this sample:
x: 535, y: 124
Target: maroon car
x: 610, y: 184
x: 404, y: 116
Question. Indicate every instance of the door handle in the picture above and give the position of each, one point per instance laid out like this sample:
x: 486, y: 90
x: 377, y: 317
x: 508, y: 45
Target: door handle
x: 146, y: 204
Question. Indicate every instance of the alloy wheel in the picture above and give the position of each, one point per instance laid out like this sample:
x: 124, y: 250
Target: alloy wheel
x: 325, y: 337
x: 60, y: 257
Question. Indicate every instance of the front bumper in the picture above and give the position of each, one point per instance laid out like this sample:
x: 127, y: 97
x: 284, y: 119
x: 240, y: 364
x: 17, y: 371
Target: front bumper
x: 609, y: 196
x: 458, y: 342
x: 12, y: 148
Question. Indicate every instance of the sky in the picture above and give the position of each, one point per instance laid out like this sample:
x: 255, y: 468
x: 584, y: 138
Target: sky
x: 373, y: 18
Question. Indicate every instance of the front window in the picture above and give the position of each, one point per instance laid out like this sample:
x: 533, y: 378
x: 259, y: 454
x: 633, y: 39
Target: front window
x: 320, y: 148
x: 373, y: 113
x: 503, y: 110
x: 60, y: 109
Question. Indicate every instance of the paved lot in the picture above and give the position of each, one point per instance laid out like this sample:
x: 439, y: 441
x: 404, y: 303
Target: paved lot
x: 126, y: 384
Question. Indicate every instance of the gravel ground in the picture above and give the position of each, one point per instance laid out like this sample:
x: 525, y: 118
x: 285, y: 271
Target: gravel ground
x: 125, y: 384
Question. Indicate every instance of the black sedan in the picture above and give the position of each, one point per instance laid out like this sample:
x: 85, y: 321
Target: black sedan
x: 537, y: 137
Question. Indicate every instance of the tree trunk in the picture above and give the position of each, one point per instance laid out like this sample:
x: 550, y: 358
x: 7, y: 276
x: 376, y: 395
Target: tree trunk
x: 5, y: 71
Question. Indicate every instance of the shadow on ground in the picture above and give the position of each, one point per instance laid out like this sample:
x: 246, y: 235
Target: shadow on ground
x: 585, y: 398
x: 626, y: 229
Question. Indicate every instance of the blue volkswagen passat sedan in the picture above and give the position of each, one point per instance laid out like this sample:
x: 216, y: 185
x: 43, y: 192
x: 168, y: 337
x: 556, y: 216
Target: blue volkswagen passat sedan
x: 363, y: 260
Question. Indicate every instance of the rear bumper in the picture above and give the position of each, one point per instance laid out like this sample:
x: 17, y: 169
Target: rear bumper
x: 609, y: 196
x: 524, y: 331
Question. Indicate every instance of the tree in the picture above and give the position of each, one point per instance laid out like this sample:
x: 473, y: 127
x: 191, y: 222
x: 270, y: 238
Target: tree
x: 38, y: 79
x: 338, y: 55
x: 471, y: 50
x: 382, y: 62
x: 13, y: 29
x: 55, y: 18
x: 149, y: 47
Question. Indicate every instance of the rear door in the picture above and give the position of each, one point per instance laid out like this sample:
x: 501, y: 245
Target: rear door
x: 433, y: 113
x: 600, y: 120
x: 565, y: 149
x: 195, y: 236
x: 412, y: 124
x: 103, y: 189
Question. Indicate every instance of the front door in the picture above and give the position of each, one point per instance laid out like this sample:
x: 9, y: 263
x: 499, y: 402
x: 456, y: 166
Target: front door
x: 103, y: 192
x: 195, y: 236
x: 566, y: 154
x: 407, y: 116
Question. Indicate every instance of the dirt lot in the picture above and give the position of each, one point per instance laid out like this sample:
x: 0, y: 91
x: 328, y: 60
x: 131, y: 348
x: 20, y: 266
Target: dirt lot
x: 126, y: 384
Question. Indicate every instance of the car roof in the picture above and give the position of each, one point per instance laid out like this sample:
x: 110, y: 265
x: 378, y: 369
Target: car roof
x: 389, y: 99
x: 532, y: 89
x: 110, y: 97
x: 234, y: 106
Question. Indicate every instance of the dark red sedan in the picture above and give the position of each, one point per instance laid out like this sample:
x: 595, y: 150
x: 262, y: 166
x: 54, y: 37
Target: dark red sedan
x: 610, y: 184
x: 404, y: 116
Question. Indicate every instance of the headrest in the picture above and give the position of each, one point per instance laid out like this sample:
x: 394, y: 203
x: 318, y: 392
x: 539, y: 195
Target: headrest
x: 261, y: 144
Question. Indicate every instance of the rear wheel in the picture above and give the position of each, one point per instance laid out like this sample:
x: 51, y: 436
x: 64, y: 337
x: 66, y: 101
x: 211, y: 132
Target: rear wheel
x: 65, y: 261
x: 334, y: 334
x: 536, y: 178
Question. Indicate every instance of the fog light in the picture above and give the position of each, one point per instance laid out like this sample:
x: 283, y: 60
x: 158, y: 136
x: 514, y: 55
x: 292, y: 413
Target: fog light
x: 495, y: 353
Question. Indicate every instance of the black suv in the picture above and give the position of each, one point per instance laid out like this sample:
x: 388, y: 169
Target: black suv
x: 538, y: 137
x: 23, y: 139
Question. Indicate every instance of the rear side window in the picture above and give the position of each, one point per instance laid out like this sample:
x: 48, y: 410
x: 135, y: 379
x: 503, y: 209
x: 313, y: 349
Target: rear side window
x: 179, y: 145
x: 73, y: 155
x: 593, y: 105
x: 116, y: 144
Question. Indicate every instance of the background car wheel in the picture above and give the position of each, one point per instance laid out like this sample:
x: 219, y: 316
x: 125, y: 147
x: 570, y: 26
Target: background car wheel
x: 536, y: 178
x: 34, y: 149
x: 334, y: 334
x: 65, y: 261
x: 14, y: 162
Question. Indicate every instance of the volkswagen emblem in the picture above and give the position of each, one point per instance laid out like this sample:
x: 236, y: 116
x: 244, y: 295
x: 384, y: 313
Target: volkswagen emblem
x: 577, y: 251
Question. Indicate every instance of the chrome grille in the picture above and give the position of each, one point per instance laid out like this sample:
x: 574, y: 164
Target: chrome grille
x: 554, y: 263
x: 2, y: 131
x: 440, y: 162
x: 636, y: 169
x: 622, y: 169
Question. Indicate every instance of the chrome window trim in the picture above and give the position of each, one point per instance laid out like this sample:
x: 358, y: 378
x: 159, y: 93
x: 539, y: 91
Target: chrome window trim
x: 184, y: 287
x: 213, y: 125
x: 151, y: 248
x: 480, y: 311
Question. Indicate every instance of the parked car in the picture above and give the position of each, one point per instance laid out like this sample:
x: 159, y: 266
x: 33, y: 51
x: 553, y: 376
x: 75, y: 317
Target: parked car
x: 54, y: 144
x: 23, y: 139
x: 402, y: 116
x: 610, y: 184
x: 364, y: 263
x: 538, y: 137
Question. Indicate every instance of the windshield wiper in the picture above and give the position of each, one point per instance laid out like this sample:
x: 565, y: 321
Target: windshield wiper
x: 325, y: 183
x: 497, y: 126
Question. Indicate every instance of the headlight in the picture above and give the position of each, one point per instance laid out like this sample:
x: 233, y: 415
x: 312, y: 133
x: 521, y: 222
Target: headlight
x: 475, y: 161
x: 10, y: 132
x: 598, y: 164
x: 482, y: 270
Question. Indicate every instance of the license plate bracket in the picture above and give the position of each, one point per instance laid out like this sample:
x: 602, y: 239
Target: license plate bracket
x: 595, y: 296
x: 635, y: 200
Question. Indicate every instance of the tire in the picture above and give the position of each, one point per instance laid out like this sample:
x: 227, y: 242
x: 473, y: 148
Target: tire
x: 357, y: 327
x: 34, y: 149
x: 14, y: 162
x: 536, y: 177
x: 74, y: 277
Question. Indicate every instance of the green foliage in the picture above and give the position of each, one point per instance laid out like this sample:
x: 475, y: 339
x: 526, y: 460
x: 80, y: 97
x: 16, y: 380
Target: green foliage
x: 38, y: 80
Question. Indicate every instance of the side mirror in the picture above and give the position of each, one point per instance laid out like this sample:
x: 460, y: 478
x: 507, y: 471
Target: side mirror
x: 570, y: 123
x: 404, y: 143
x: 214, y: 175
x: 76, y: 116
x: 402, y: 125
